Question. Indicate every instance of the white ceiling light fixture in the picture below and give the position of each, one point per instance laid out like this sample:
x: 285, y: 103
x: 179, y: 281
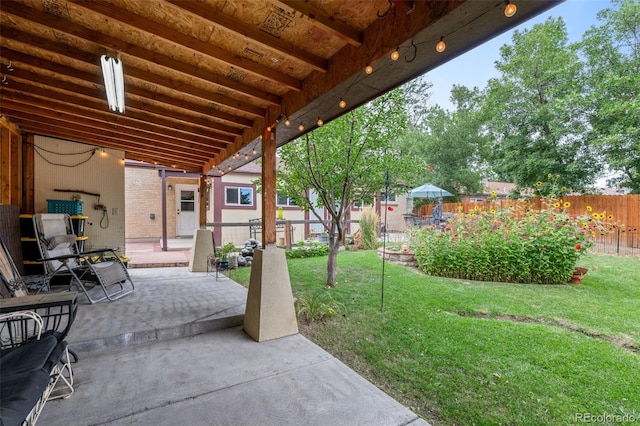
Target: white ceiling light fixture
x: 113, y: 82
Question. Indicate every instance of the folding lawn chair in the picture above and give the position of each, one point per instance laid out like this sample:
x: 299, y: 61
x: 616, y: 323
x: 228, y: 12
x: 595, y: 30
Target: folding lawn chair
x: 99, y: 274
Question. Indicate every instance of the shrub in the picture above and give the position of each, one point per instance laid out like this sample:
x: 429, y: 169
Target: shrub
x: 224, y: 251
x: 368, y: 229
x: 316, y: 307
x: 508, y: 245
x: 302, y: 250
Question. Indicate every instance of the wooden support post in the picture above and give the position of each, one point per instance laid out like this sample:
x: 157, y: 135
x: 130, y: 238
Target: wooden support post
x: 28, y: 175
x: 270, y: 312
x: 202, y: 202
x: 5, y: 165
x: 287, y: 234
x: 268, y: 188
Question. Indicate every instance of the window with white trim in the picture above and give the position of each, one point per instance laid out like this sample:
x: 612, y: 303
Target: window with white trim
x: 285, y: 201
x: 238, y: 196
x: 391, y: 198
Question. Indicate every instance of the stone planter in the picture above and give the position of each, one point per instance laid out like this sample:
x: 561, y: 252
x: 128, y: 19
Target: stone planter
x: 406, y: 258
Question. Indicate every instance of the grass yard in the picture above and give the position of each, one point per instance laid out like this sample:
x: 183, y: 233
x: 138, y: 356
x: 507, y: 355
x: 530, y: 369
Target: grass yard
x: 461, y: 352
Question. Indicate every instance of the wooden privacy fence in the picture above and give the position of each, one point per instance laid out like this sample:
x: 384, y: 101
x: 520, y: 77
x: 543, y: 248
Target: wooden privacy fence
x: 618, y: 210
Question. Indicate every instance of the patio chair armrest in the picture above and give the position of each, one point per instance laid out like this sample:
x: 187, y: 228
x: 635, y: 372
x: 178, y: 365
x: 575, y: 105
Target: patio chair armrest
x: 98, y: 251
x: 56, y: 310
x: 61, y: 257
x: 17, y: 328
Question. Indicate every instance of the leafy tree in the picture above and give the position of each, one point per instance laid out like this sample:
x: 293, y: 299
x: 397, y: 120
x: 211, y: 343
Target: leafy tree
x: 347, y: 160
x: 536, y: 110
x: 451, y: 142
x: 612, y: 53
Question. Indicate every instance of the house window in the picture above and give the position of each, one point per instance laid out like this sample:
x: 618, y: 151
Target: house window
x: 391, y: 198
x: 238, y: 196
x: 476, y: 200
x: 285, y: 201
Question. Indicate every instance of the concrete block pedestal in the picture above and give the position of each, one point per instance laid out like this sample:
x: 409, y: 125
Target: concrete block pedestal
x: 201, y: 247
x: 270, y: 313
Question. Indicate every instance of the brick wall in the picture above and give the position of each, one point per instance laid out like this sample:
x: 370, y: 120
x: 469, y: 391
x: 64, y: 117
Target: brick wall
x: 143, y: 198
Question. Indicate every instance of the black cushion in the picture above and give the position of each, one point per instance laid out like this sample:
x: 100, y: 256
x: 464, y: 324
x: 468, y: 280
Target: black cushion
x: 56, y: 355
x: 30, y: 356
x: 19, y: 394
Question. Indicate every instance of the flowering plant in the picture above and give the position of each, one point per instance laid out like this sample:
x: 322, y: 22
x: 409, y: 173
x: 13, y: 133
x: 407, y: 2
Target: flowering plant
x: 512, y: 244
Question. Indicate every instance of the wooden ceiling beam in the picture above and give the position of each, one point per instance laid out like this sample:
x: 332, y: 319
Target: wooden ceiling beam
x: 320, y: 19
x: 110, y: 119
x: 126, y: 141
x: 90, y: 57
x: 251, y: 34
x: 51, y: 128
x: 149, y: 160
x: 131, y: 89
x: 85, y: 97
x: 60, y: 133
x: 20, y: 109
x: 209, y: 50
x: 62, y: 25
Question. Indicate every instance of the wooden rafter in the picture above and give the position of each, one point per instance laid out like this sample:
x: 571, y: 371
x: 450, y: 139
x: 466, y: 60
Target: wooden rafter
x: 324, y: 21
x: 187, y: 42
x: 204, y: 78
x: 251, y: 34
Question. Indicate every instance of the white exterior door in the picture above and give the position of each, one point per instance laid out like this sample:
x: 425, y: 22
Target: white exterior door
x: 186, y: 210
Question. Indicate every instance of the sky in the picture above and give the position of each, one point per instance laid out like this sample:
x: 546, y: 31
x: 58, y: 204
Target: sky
x: 578, y: 15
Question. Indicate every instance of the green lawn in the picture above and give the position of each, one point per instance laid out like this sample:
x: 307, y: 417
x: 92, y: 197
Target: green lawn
x: 461, y: 352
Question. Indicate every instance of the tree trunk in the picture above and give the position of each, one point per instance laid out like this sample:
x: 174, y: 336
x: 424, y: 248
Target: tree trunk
x: 332, y: 261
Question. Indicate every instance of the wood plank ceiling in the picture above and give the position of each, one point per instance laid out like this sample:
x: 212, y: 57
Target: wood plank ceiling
x: 203, y: 78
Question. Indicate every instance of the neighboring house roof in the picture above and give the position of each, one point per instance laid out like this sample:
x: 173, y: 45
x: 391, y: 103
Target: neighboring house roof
x: 613, y: 191
x: 502, y: 188
x: 249, y: 168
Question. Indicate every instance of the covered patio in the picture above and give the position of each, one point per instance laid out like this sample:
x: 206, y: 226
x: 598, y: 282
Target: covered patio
x: 174, y: 353
x: 210, y: 86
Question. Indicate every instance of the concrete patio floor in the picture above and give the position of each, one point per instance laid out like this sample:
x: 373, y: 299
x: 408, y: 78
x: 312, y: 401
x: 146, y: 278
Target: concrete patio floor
x: 174, y: 352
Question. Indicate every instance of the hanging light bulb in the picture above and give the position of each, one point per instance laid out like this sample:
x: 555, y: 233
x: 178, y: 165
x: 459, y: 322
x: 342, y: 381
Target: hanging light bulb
x: 287, y: 122
x: 301, y: 127
x: 246, y: 156
x: 320, y: 122
x: 342, y: 103
x: 510, y: 9
x: 395, y: 54
x: 441, y: 45
x: 368, y: 69
x: 253, y: 151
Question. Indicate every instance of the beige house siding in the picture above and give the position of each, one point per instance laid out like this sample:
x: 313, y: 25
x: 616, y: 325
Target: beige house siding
x: 144, y: 198
x: 64, y: 165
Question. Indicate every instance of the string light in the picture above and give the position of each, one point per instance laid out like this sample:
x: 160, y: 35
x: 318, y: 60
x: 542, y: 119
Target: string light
x: 287, y: 122
x: 368, y: 69
x: 441, y: 45
x: 253, y: 151
x: 246, y: 156
x: 301, y: 127
x: 320, y: 122
x: 342, y: 103
x: 510, y: 9
x: 395, y: 54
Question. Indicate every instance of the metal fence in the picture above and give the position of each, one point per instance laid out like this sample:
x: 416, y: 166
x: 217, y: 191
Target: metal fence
x: 624, y: 241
